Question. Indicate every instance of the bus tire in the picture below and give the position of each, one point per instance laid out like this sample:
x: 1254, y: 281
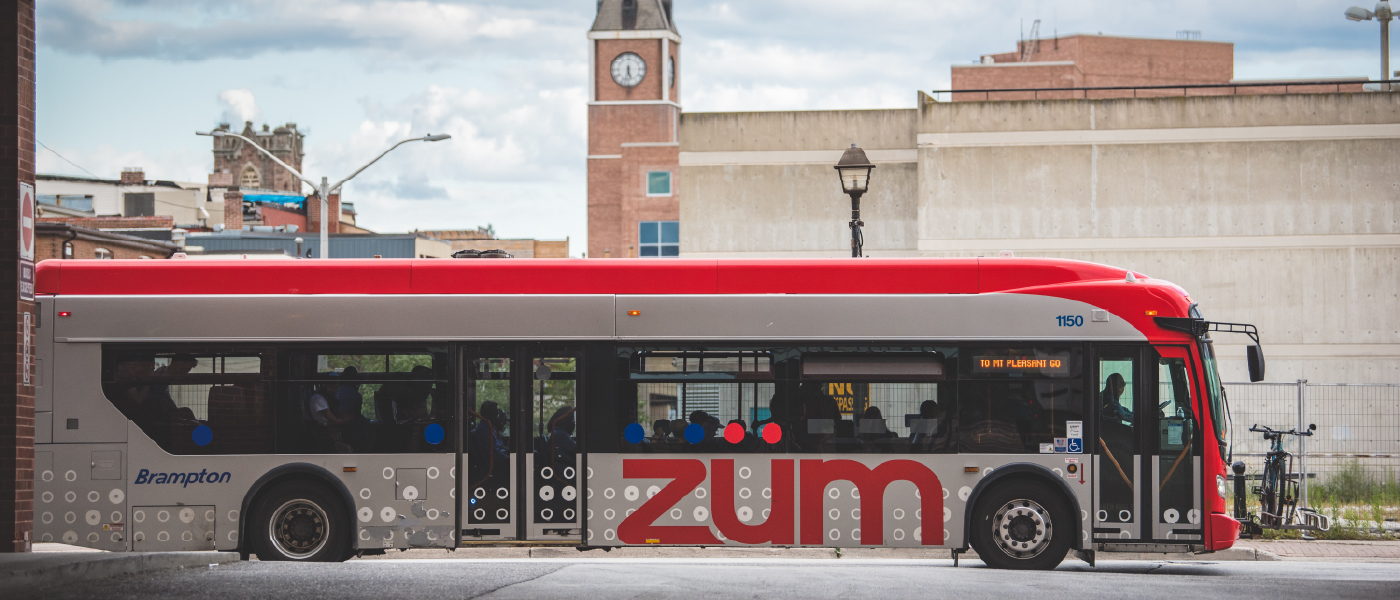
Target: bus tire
x: 300, y: 521
x: 1023, y: 525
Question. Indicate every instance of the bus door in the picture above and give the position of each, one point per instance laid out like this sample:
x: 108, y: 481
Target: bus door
x: 1117, y: 469
x: 1175, y: 449
x: 553, y: 464
x: 488, y: 490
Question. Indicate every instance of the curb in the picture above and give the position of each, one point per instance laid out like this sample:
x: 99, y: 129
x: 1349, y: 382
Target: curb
x: 34, y: 572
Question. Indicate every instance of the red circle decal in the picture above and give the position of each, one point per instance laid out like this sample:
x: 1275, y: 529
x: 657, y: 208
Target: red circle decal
x: 734, y: 433
x: 772, y: 433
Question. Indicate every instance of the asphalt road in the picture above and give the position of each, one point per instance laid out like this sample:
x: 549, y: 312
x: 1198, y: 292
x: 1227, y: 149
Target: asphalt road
x: 769, y: 579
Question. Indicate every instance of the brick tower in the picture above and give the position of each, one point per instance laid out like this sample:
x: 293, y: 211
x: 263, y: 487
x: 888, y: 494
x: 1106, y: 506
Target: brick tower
x: 633, y: 114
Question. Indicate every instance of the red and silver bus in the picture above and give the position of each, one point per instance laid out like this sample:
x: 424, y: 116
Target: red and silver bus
x: 315, y: 410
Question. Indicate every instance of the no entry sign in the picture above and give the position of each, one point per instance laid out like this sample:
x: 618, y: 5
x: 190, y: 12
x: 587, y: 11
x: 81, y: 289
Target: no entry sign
x: 26, y: 242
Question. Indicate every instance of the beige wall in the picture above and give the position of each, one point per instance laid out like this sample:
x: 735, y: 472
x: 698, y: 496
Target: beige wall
x: 1278, y: 210
x: 767, y: 185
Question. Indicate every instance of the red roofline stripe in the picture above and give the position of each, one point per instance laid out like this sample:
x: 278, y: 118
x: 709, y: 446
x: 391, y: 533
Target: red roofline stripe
x: 563, y: 276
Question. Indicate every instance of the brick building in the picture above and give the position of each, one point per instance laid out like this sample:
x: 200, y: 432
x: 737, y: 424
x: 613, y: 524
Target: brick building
x: 633, y: 118
x: 1105, y: 61
x: 70, y: 241
x: 251, y: 169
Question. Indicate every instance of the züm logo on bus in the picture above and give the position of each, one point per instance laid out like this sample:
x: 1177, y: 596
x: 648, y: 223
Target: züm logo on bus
x: 203, y: 476
x: 687, y: 474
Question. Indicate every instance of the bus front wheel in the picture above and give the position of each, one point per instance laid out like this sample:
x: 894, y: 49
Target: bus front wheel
x: 1022, y: 525
x: 300, y: 521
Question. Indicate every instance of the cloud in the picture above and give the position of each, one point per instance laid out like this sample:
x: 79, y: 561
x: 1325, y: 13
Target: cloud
x: 200, y: 30
x: 107, y: 162
x: 239, y: 106
x: 412, y: 187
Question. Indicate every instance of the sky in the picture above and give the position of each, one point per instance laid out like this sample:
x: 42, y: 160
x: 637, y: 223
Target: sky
x: 126, y: 83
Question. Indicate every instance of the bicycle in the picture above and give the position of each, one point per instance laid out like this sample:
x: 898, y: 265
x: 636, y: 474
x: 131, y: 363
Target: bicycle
x: 1278, y: 489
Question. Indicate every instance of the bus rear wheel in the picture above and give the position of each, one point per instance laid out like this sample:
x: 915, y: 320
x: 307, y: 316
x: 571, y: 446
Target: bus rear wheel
x: 1015, y: 527
x: 300, y: 521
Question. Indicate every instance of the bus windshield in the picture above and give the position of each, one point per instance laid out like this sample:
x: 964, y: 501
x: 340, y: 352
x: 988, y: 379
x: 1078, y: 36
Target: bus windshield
x: 1215, y: 392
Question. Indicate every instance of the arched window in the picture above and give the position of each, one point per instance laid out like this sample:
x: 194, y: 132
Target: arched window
x: 249, y: 178
x: 102, y: 253
x: 629, y: 14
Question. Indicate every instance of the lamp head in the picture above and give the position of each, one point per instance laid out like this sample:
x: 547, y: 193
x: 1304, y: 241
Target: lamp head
x: 1356, y: 13
x: 436, y: 137
x: 1383, y: 11
x: 854, y: 169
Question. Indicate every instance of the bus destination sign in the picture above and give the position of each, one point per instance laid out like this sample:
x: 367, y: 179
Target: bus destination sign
x: 1041, y: 364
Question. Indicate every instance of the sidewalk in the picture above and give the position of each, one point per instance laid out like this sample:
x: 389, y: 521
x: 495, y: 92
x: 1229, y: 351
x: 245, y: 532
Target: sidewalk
x: 51, y: 564
x: 1327, y: 550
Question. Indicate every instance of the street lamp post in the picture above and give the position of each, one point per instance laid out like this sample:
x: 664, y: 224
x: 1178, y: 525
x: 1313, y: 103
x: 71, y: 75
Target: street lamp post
x: 1384, y: 15
x: 854, y: 170
x: 324, y: 189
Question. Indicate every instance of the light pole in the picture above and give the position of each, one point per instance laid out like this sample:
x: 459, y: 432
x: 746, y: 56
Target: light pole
x: 1384, y: 15
x: 324, y: 189
x: 854, y: 170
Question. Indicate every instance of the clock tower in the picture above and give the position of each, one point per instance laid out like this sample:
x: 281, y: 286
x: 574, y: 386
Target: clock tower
x: 633, y: 116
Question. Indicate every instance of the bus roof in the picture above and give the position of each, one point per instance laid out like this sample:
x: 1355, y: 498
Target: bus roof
x: 564, y: 276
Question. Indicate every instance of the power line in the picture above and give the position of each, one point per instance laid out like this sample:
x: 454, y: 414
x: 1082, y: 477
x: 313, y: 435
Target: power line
x: 65, y: 159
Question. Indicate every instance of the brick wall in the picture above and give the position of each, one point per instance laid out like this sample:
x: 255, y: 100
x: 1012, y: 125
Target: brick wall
x: 165, y: 222
x: 49, y: 245
x: 313, y: 214
x: 16, y: 166
x: 1100, y: 61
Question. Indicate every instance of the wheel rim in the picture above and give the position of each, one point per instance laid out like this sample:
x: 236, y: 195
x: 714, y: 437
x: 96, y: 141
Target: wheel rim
x: 298, y: 529
x: 1022, y: 529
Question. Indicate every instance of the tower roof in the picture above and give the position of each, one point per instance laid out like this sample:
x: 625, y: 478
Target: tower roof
x: 639, y: 14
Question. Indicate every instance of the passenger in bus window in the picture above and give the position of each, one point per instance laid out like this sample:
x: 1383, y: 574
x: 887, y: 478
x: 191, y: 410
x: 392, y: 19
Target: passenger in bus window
x: 349, y: 406
x: 487, y: 450
x: 1112, y: 394
x: 710, y: 426
x: 559, y: 447
x: 873, y: 427
x: 160, y: 399
x: 661, y: 431
x: 325, y: 425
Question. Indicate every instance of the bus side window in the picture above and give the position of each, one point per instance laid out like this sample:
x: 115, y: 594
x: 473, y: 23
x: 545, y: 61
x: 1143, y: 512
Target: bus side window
x: 1019, y: 400
x: 391, y: 401
x: 689, y: 401
x: 194, y: 400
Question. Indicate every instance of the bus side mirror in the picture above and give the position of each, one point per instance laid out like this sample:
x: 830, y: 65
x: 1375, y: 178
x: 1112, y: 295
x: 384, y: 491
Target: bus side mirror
x: 1256, y: 363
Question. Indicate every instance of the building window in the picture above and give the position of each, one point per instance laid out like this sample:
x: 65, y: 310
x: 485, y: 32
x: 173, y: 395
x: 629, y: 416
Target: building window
x: 67, y: 249
x: 658, y: 183
x: 249, y: 178
x: 660, y: 238
x: 102, y: 254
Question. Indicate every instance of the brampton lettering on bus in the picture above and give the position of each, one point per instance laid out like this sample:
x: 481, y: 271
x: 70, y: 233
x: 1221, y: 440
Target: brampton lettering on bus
x: 203, y: 476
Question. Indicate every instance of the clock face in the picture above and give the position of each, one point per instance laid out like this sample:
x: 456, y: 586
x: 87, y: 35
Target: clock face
x: 671, y: 72
x: 628, y: 69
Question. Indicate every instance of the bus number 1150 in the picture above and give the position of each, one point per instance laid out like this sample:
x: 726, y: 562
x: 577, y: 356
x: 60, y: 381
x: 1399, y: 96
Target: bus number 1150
x: 1070, y: 321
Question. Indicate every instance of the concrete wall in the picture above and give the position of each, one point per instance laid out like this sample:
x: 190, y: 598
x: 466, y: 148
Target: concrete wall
x: 762, y: 183
x: 1282, y: 211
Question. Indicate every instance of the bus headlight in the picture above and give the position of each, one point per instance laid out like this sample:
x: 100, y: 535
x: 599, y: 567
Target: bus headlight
x: 1220, y: 487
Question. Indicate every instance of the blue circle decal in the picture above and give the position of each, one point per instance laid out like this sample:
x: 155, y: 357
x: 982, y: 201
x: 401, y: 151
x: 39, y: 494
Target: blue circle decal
x: 434, y: 434
x: 202, y: 435
x: 634, y: 433
x: 694, y: 433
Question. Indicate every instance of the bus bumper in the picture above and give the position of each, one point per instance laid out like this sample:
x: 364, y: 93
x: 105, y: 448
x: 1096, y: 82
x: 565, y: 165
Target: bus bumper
x: 1224, y: 530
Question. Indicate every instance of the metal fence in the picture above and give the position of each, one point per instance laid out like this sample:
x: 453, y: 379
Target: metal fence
x: 1357, y: 441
